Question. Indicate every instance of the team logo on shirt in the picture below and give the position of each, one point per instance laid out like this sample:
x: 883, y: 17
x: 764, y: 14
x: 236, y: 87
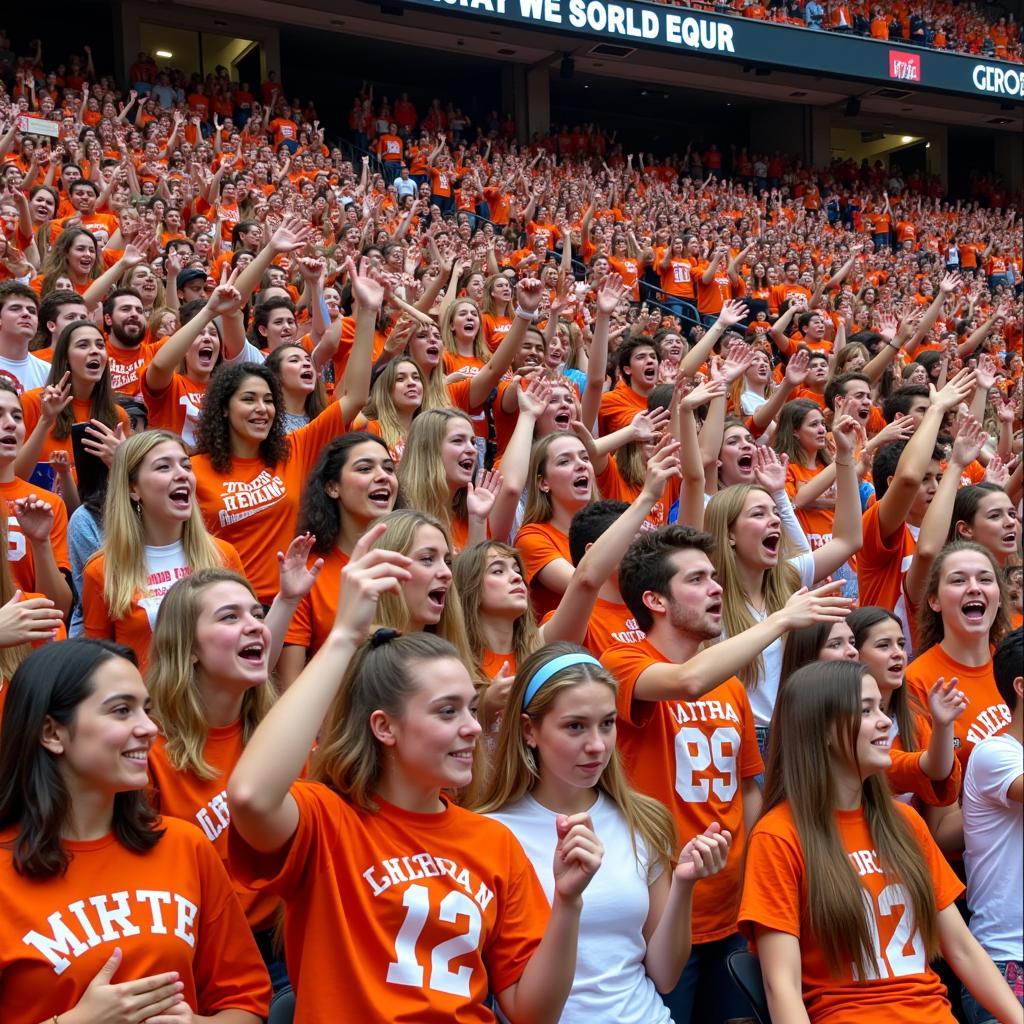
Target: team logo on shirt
x: 242, y: 500
x: 110, y: 917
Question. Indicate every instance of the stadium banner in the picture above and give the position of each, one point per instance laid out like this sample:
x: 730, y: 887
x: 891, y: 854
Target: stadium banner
x: 635, y: 23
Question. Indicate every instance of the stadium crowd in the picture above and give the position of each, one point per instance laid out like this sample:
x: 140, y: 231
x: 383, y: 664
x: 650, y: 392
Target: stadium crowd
x: 446, y: 575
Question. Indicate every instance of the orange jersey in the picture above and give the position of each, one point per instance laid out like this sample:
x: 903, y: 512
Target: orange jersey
x: 495, y: 329
x: 314, y: 615
x: 19, y: 551
x: 254, y: 506
x: 178, y: 408
x: 170, y: 908
x: 615, y: 487
x: 611, y: 623
x: 540, y: 544
x: 903, y: 989
x: 81, y: 409
x: 126, y: 366
x: 618, y: 407
x: 629, y: 269
x: 204, y: 802
x: 677, y: 279
x: 692, y: 756
x: 881, y: 566
x: 397, y: 915
x: 906, y: 776
x: 986, y: 715
x: 815, y: 522
x: 135, y: 629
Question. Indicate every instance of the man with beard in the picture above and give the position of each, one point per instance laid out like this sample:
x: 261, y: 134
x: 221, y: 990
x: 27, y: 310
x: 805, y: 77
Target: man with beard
x: 125, y: 321
x: 686, y: 731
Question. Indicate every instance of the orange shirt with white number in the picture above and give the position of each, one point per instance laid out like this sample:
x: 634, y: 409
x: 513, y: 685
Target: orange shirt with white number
x: 396, y: 915
x: 692, y: 756
x: 903, y: 989
x: 19, y: 551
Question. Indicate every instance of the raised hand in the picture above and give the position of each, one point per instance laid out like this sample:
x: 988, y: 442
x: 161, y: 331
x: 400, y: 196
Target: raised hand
x: 997, y: 472
x: 529, y: 292
x: 770, y: 468
x: 946, y: 703
x: 647, y: 425
x: 366, y: 287
x: 293, y: 234
x: 369, y: 573
x: 35, y: 517
x: 296, y: 580
x: 798, y: 367
x: 958, y: 389
x: 101, y: 441
x: 482, y: 494
x: 738, y: 357
x: 693, y: 397
x: 55, y: 398
x: 845, y: 431
x: 226, y: 298
x: 610, y: 293
x: 969, y: 441
x: 662, y: 466
x: 533, y: 398
x: 734, y: 311
x: 823, y: 604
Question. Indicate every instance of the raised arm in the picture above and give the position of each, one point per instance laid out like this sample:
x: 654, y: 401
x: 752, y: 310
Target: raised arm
x: 262, y: 809
x: 609, y: 295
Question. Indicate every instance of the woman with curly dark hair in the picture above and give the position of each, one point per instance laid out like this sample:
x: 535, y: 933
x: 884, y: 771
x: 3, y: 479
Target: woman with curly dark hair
x: 249, y: 473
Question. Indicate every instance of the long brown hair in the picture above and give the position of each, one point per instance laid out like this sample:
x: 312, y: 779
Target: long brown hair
x: 819, y: 706
x: 102, y: 407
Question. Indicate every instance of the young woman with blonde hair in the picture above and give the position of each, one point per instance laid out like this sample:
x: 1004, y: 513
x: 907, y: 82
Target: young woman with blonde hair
x: 396, y: 397
x: 560, y: 482
x: 153, y: 535
x: 395, y: 718
x: 429, y: 601
x: 498, y: 309
x: 556, y: 756
x: 438, y: 475
x: 210, y: 680
x: 846, y: 896
x: 758, y: 577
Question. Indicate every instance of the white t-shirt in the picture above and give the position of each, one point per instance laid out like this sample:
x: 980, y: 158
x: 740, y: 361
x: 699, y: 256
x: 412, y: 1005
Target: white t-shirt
x: 611, y: 983
x: 165, y: 565
x: 28, y: 373
x: 764, y: 694
x: 994, y: 847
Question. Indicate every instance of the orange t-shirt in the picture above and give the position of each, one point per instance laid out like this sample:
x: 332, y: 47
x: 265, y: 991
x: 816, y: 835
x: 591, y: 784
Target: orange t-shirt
x: 178, y: 408
x: 540, y: 544
x: 170, y: 908
x: 815, y: 522
x: 135, y: 629
x: 19, y: 551
x: 126, y: 365
x: 629, y: 269
x: 254, y: 506
x: 905, y: 989
x: 986, y: 715
x: 906, y: 776
x: 314, y: 614
x: 81, y: 409
x: 398, y: 915
x: 618, y: 407
x: 677, y: 279
x: 881, y: 566
x: 692, y: 756
x: 204, y: 802
x: 615, y: 487
x: 610, y: 623
x: 495, y: 329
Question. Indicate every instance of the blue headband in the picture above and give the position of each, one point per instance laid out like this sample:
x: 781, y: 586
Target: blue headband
x: 545, y: 672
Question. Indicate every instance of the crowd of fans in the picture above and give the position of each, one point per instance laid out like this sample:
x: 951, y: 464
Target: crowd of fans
x: 964, y: 28
x: 663, y: 510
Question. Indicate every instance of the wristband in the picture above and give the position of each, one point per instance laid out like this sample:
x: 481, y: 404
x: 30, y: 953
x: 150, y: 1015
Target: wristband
x: 838, y: 463
x: 524, y: 314
x: 893, y: 345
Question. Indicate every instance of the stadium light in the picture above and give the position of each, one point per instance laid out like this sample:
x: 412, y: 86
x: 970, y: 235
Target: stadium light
x: 166, y: 54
